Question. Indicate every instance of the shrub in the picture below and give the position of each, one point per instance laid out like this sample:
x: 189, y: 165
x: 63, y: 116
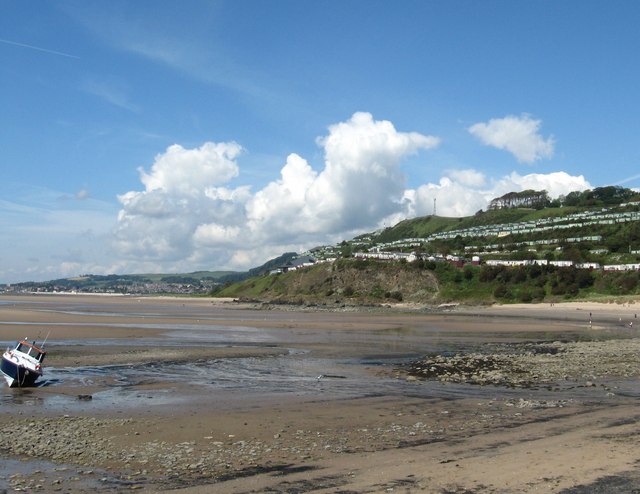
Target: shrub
x: 519, y: 275
x: 584, y: 278
x: 396, y: 296
x: 505, y: 275
x: 538, y: 293
x: 376, y: 292
x: 629, y: 283
x: 534, y: 271
x: 526, y: 297
x: 501, y: 291
x: 488, y: 273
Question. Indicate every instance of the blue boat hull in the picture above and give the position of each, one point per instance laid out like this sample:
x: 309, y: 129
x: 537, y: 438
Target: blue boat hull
x: 17, y: 376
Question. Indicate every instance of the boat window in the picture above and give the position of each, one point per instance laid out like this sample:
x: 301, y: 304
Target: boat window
x: 31, y: 351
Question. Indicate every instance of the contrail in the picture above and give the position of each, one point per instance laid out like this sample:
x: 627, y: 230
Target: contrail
x: 53, y: 52
x: 626, y: 180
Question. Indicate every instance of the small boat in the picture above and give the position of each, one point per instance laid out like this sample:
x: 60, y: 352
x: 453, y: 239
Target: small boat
x: 22, y: 364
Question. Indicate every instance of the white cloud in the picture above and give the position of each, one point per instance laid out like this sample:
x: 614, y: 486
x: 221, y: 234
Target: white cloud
x: 556, y: 183
x: 166, y: 43
x: 455, y: 196
x: 215, y: 234
x: 185, y: 212
x: 471, y: 178
x: 180, y: 196
x: 112, y: 92
x: 518, y: 135
x: 184, y: 171
x: 360, y: 183
x: 82, y: 194
x: 186, y: 217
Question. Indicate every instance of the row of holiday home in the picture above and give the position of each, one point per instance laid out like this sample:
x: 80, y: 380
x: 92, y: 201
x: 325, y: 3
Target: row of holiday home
x: 563, y: 264
x: 534, y: 243
x: 412, y: 256
x: 387, y: 256
x: 575, y: 220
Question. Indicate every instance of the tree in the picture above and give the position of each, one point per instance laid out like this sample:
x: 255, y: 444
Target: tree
x: 468, y: 273
x: 536, y: 199
x: 345, y: 249
x: 501, y: 291
x: 573, y: 254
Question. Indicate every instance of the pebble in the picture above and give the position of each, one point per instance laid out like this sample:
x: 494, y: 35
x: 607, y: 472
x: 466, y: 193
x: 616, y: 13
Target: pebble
x: 531, y: 364
x: 87, y: 441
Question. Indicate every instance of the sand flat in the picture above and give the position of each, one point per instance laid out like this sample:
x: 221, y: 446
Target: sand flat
x: 413, y: 437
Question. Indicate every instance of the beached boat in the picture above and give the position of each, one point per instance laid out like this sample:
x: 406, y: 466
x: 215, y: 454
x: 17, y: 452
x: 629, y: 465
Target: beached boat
x: 22, y: 364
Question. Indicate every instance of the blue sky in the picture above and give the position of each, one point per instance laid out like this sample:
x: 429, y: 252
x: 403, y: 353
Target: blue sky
x: 156, y: 136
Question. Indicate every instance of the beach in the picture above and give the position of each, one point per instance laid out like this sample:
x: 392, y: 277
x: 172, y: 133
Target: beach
x: 198, y: 395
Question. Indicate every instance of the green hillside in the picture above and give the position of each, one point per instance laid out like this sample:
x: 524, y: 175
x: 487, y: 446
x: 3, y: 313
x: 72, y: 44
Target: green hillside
x: 574, y: 202
x: 357, y: 282
x: 589, y: 228
x: 424, y: 226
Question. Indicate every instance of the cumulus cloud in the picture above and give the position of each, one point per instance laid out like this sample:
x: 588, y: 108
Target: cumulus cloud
x: 187, y: 217
x: 471, y: 178
x: 456, y: 196
x: 518, y: 135
x: 180, y: 195
x: 556, y: 183
x: 186, y: 212
x: 360, y: 183
x: 183, y: 171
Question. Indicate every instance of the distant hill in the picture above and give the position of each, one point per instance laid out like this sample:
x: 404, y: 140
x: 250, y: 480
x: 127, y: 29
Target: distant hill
x: 188, y: 283
x: 197, y: 282
x: 281, y: 260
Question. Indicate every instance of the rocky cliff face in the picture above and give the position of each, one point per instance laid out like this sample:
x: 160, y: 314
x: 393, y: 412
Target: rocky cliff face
x: 353, y: 281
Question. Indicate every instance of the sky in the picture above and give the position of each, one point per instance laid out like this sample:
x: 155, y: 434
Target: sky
x: 146, y: 136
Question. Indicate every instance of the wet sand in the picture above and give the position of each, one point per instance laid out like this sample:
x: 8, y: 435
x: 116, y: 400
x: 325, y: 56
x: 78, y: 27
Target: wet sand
x: 404, y: 436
